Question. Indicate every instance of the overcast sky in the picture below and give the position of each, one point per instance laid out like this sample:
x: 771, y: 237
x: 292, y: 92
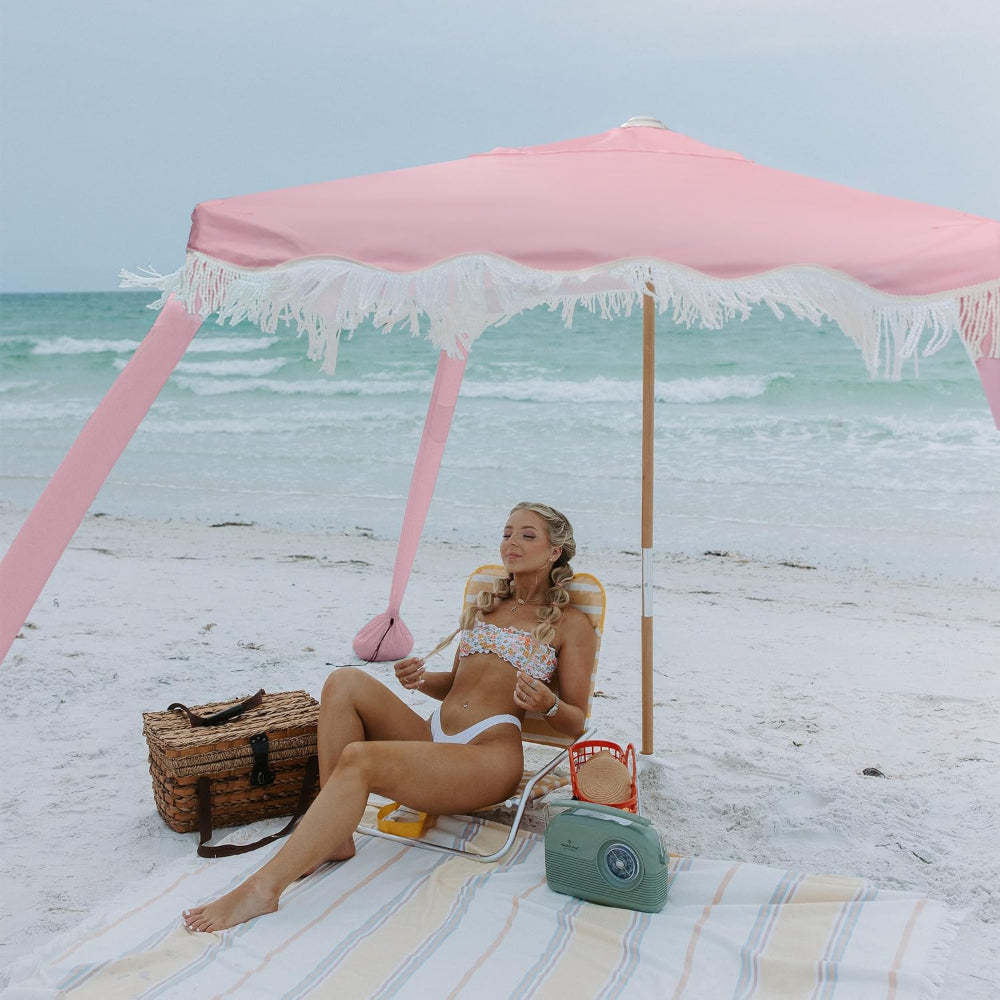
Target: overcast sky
x: 118, y: 116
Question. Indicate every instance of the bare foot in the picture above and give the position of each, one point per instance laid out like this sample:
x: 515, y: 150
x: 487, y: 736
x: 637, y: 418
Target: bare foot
x: 342, y: 853
x: 246, y: 901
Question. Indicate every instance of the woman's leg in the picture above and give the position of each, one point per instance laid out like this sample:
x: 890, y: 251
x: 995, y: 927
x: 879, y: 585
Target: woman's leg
x: 432, y: 777
x: 355, y: 707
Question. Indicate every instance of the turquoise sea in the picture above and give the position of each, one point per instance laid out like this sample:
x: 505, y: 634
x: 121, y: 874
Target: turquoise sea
x: 771, y: 440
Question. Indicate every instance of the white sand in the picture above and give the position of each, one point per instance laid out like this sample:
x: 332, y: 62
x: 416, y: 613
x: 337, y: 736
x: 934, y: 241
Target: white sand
x: 776, y: 687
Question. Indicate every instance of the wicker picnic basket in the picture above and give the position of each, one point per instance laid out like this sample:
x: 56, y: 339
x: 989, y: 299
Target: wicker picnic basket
x: 226, y: 763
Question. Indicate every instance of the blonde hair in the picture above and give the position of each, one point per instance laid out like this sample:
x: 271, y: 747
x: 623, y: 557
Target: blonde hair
x: 560, y: 533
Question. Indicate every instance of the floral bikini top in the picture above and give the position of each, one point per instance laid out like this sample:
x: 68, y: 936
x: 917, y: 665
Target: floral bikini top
x: 538, y: 659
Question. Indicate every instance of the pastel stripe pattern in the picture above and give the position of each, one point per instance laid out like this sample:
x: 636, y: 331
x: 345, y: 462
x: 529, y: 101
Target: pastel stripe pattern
x: 396, y: 921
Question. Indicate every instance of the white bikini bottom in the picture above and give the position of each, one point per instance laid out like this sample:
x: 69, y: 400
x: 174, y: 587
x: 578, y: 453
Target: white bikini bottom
x: 467, y: 735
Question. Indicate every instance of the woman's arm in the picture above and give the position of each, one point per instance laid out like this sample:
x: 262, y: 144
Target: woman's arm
x: 576, y: 661
x: 414, y: 677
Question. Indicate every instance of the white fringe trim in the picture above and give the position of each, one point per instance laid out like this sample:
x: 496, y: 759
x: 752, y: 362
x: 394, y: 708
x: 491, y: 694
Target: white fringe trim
x: 462, y: 297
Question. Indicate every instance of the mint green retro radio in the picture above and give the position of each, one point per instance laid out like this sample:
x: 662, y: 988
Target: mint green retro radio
x: 608, y: 856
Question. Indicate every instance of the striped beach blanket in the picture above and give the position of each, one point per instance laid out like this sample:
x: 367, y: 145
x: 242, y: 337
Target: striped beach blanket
x: 399, y: 921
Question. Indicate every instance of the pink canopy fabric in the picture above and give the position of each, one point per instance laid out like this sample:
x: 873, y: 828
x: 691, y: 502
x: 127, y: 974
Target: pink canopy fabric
x: 467, y: 243
x: 453, y: 248
x: 627, y: 194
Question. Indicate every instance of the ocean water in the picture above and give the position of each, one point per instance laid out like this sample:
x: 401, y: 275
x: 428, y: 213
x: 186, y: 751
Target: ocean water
x: 771, y: 439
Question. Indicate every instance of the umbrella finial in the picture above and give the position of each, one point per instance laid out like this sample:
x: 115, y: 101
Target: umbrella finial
x: 644, y: 121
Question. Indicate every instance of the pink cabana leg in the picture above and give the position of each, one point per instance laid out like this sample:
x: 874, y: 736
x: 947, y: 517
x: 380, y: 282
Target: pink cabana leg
x: 60, y: 509
x: 981, y: 332
x: 386, y: 637
x: 989, y: 375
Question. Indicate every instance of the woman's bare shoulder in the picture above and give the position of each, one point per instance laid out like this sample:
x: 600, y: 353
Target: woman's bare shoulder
x: 575, y: 625
x: 575, y: 615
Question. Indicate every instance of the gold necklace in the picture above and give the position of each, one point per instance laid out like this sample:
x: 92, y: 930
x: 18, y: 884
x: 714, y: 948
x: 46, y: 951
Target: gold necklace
x: 519, y: 603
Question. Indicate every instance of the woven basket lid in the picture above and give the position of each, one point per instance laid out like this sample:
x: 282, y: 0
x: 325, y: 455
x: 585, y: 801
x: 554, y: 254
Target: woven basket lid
x: 604, y: 779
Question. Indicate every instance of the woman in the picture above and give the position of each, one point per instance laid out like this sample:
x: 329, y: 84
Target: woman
x: 468, y: 754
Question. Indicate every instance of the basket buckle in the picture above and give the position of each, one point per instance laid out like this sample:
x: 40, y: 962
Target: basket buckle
x: 260, y: 776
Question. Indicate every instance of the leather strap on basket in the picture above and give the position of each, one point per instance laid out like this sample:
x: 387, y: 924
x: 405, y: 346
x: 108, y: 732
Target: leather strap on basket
x: 219, y: 717
x: 206, y: 850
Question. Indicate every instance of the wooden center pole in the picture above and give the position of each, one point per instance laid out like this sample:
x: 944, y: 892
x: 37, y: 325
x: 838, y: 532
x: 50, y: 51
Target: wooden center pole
x: 648, y: 399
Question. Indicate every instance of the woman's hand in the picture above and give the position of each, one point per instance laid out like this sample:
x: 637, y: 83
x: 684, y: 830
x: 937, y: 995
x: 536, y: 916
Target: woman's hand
x: 531, y: 694
x: 410, y: 672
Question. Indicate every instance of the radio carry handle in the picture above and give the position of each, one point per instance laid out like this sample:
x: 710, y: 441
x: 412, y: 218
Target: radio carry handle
x: 609, y: 812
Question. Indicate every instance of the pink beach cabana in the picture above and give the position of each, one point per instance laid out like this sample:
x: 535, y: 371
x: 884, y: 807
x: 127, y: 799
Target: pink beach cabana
x: 636, y: 214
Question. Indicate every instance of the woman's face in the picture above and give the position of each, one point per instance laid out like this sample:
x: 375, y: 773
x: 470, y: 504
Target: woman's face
x: 525, y: 547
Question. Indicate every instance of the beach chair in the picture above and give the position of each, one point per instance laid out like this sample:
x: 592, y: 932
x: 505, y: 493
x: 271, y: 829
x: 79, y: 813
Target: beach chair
x: 587, y: 594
